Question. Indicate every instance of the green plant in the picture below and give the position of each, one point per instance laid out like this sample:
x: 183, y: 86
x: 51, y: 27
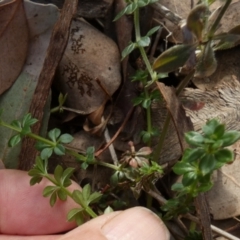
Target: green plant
x: 138, y: 170
x: 208, y: 153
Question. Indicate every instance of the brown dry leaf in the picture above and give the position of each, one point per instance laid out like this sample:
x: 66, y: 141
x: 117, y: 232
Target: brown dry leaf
x: 181, y: 122
x: 90, y: 57
x: 13, y: 42
x: 96, y: 116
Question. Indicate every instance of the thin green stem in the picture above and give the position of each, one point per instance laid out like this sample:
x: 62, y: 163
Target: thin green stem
x: 148, y: 66
x: 86, y: 208
x: 82, y: 158
x: 32, y: 135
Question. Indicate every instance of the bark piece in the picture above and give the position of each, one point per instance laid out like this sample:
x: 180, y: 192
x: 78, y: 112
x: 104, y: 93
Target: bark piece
x: 55, y: 51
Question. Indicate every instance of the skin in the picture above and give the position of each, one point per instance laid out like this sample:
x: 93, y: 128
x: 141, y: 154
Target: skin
x: 26, y: 214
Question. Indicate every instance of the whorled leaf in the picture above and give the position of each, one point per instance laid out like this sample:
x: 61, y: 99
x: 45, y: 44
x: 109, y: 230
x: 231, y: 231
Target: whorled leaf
x: 173, y: 58
x: 196, y: 19
x: 207, y: 63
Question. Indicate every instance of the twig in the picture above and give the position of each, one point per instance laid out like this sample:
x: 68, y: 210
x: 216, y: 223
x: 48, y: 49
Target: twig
x: 116, y: 134
x: 223, y: 233
x: 111, y: 148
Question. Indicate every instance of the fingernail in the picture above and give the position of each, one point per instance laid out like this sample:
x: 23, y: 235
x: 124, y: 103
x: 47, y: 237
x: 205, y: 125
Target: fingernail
x: 136, y: 223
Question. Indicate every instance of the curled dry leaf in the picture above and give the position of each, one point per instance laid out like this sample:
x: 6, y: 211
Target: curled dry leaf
x: 89, y: 69
x: 13, y: 42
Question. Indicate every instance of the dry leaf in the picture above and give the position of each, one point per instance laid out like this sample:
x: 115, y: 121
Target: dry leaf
x: 13, y: 42
x: 181, y: 122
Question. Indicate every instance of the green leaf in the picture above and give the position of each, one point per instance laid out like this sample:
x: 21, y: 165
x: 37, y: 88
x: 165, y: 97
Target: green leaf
x: 62, y: 195
x: 194, y: 138
x: 189, y: 178
x: 207, y: 63
x: 54, y: 134
x: 62, y: 99
x: 72, y: 213
x: 230, y: 137
x: 35, y: 180
x: 90, y: 158
x: 144, y: 41
x: 146, y: 136
x: 177, y: 187
x: 53, y: 199
x: 219, y: 131
x: 14, y: 140
x: 152, y: 31
x: 49, y: 190
x: 65, y: 138
x: 207, y: 164
x: 196, y: 19
x: 173, y: 58
x: 78, y: 198
x: 66, y: 175
x: 46, y: 153
x: 108, y: 210
x: 213, y: 129
x: 32, y: 121
x: 94, y: 197
x: 84, y: 165
x: 58, y: 173
x: 42, y: 165
x: 86, y: 191
x: 224, y: 156
x: 59, y: 150
x: 16, y: 124
x: 128, y: 50
x: 26, y: 118
x: 192, y: 155
x: 34, y: 172
x: 181, y: 168
x: 146, y: 103
x: 129, y: 9
x: 40, y: 146
x: 143, y: 3
x: 205, y: 187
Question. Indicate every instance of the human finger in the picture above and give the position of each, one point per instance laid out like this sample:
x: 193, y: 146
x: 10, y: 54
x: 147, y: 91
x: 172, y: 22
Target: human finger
x: 23, y: 209
x: 134, y: 223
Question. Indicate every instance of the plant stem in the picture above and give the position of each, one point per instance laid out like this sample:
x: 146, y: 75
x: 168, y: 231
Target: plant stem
x: 83, y: 159
x: 86, y: 208
x: 148, y: 66
x: 80, y: 157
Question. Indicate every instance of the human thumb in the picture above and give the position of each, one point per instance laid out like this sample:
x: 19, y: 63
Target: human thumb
x: 134, y: 223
